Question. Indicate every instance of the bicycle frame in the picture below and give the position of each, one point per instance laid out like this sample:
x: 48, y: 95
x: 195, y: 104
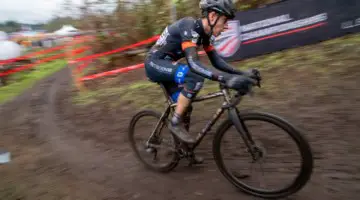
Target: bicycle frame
x: 227, y: 105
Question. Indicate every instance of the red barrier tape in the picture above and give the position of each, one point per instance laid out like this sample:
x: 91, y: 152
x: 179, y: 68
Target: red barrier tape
x: 112, y: 72
x: 121, y: 70
x: 32, y: 54
x: 152, y: 39
x: 81, y: 49
x: 45, y: 51
x: 11, y: 71
x: 82, y: 66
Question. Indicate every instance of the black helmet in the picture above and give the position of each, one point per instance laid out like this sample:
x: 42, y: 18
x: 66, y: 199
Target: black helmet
x: 224, y: 7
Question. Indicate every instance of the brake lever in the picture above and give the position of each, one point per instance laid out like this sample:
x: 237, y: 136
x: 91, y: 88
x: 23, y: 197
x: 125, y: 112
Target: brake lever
x: 251, y: 93
x: 258, y: 83
x: 222, y: 85
x: 258, y: 79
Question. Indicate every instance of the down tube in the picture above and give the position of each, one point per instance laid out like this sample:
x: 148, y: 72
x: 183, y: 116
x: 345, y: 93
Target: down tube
x: 208, y: 126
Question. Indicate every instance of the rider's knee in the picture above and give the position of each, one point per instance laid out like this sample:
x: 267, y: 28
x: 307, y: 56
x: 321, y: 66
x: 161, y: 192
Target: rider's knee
x: 188, y: 93
x: 199, y: 82
x: 198, y: 85
x: 193, y: 87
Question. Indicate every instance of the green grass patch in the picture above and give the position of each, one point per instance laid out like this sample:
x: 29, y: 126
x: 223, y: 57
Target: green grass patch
x: 24, y: 80
x: 104, y: 60
x: 282, y: 71
x: 11, y: 192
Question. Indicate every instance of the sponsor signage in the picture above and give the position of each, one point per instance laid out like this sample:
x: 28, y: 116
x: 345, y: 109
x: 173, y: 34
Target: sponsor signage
x: 287, y: 24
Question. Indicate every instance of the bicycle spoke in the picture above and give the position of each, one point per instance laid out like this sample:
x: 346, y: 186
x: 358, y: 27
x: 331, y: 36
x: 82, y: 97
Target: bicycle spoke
x: 155, y: 156
x: 262, y: 183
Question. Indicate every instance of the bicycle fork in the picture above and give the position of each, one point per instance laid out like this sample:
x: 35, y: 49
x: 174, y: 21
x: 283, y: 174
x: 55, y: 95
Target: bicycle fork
x: 243, y: 131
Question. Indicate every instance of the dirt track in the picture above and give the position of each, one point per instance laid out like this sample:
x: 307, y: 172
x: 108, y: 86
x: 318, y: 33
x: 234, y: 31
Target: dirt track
x: 61, y: 152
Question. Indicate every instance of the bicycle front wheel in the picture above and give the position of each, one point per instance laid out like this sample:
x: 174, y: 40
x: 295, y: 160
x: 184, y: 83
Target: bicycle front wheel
x: 231, y: 156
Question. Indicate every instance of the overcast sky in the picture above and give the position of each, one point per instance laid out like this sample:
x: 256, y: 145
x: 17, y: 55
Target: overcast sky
x: 30, y: 11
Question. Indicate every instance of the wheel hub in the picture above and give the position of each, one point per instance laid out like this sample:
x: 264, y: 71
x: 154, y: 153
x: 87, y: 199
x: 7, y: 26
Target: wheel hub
x: 259, y: 152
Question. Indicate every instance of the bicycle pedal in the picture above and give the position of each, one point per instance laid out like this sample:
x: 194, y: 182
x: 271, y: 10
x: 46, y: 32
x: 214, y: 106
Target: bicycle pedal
x: 190, y: 164
x: 193, y: 162
x: 240, y: 176
x: 150, y: 150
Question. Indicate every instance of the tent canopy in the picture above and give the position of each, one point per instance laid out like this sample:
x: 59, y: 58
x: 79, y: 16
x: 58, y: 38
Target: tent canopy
x: 3, y: 36
x: 66, y: 30
x: 9, y: 50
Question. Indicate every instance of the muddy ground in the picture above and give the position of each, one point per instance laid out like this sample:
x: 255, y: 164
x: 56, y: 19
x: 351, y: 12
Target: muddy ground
x: 64, y: 151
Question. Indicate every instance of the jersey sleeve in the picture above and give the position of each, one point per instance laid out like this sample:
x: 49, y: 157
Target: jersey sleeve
x: 189, y: 37
x: 218, y: 62
x: 189, y: 41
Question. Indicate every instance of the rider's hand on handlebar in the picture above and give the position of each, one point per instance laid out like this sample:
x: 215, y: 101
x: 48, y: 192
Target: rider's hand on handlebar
x: 240, y: 83
x: 254, y: 74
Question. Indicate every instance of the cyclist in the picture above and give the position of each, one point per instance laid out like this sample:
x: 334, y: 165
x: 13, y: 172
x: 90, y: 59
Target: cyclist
x: 181, y: 39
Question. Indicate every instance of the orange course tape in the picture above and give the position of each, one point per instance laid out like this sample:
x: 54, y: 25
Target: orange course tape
x: 32, y: 54
x: 147, y: 41
x: 117, y: 71
x: 22, y: 68
x: 45, y: 51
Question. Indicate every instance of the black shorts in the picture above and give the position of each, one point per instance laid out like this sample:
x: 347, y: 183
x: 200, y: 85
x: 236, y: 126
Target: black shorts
x: 176, y: 76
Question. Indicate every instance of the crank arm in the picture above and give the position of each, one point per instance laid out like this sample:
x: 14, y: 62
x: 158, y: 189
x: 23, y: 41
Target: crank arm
x: 161, y: 147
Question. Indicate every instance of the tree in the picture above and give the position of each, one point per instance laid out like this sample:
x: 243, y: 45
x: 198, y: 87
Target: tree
x: 10, y: 26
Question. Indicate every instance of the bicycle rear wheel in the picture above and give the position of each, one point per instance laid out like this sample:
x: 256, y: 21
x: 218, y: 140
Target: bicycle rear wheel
x: 264, y: 148
x: 143, y: 124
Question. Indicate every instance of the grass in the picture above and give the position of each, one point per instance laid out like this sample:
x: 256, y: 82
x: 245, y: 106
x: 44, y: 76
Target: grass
x: 10, y: 191
x: 23, y: 80
x: 318, y: 61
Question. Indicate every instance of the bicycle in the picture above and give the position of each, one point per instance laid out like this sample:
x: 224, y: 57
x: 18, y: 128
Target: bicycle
x: 179, y: 150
